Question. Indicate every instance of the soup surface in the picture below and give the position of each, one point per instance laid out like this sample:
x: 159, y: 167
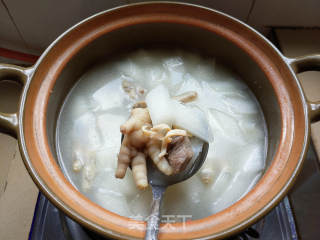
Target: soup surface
x: 89, y: 130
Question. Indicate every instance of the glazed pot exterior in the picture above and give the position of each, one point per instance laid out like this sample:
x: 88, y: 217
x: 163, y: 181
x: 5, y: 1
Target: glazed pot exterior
x: 270, y: 75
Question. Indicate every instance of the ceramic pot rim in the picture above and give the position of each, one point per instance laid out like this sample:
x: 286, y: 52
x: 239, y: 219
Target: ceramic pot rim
x: 268, y: 191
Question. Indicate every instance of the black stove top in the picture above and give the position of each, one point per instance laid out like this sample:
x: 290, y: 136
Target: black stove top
x: 51, y: 224
x: 298, y: 213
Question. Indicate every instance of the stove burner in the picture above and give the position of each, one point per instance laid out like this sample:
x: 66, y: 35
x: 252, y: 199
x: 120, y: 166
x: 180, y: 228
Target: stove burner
x: 51, y: 224
x: 247, y: 234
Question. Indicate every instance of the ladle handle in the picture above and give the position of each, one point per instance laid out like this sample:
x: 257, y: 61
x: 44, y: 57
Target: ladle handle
x: 153, y: 221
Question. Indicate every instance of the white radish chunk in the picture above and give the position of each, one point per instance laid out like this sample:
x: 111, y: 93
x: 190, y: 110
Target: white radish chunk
x: 163, y: 109
x: 159, y: 104
x: 193, y: 120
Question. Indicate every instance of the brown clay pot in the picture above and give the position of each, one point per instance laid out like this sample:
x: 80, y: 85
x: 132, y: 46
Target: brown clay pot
x: 269, y: 74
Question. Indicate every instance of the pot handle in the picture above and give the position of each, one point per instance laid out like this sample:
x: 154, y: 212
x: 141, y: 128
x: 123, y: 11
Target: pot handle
x: 9, y: 121
x: 303, y: 64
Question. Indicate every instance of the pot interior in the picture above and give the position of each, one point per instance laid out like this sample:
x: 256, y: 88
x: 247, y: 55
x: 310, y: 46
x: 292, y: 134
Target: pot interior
x: 168, y: 35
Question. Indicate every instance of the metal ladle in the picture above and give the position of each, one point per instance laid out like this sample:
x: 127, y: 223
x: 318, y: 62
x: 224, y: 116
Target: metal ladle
x: 159, y: 183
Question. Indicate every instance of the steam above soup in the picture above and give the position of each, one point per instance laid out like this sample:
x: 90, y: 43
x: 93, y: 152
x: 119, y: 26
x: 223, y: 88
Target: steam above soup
x: 185, y: 92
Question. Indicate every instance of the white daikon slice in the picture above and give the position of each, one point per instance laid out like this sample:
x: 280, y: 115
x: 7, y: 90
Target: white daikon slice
x: 85, y: 133
x: 81, y: 106
x: 176, y: 70
x: 163, y: 109
x: 108, y: 126
x: 210, y: 98
x: 190, y: 84
x: 228, y: 125
x: 154, y: 76
x: 242, y: 105
x: 192, y: 119
x: 127, y: 68
x: 159, y: 104
x: 254, y: 159
x: 204, y: 71
x: 106, y: 98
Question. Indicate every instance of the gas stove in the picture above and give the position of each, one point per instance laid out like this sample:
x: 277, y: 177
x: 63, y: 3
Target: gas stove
x: 296, y: 217
x: 51, y: 224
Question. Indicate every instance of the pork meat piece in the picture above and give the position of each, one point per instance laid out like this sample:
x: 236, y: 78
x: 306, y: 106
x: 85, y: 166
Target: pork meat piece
x: 179, y: 153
